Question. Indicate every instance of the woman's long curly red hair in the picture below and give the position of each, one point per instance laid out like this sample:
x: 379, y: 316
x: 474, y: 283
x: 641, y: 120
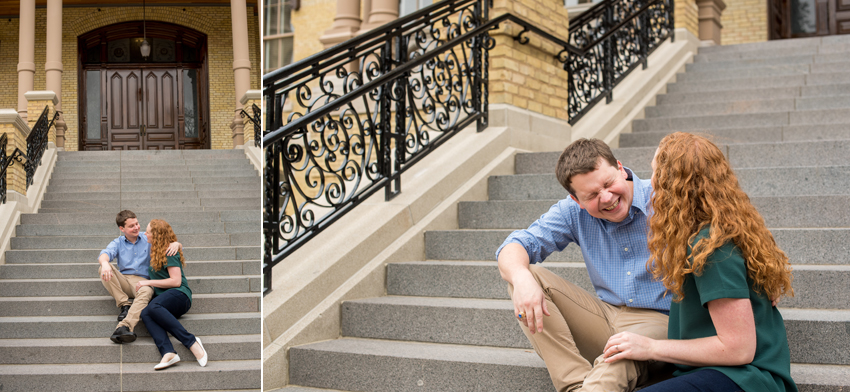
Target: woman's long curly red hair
x: 159, y: 236
x: 694, y: 187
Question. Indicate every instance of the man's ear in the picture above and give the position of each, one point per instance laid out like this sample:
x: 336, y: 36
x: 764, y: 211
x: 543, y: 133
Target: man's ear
x: 622, y: 170
x: 577, y: 202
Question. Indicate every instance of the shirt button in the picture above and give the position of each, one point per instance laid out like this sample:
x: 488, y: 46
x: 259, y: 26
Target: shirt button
x: 626, y: 249
x: 629, y: 273
x: 631, y: 300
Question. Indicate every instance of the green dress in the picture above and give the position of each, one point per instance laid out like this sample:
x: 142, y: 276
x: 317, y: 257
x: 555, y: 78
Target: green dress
x: 172, y: 261
x: 725, y: 276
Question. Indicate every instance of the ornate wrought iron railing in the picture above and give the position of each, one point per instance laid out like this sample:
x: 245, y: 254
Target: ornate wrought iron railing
x: 36, y: 145
x: 348, y: 121
x: 255, y: 120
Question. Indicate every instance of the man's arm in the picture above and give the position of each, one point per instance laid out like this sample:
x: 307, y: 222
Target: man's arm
x: 527, y: 296
x: 172, y: 249
x: 105, y: 255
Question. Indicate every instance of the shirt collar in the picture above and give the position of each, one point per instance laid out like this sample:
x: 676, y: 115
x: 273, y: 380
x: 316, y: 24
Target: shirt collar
x: 641, y: 192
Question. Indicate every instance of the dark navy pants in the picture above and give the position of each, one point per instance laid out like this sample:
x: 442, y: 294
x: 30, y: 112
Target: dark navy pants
x: 160, y: 317
x: 706, y: 380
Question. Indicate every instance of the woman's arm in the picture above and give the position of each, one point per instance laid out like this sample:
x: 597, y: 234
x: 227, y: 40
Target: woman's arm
x: 174, y: 280
x: 734, y: 345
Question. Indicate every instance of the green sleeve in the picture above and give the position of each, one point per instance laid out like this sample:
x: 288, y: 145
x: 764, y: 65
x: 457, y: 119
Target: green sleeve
x: 724, y: 275
x: 173, y: 261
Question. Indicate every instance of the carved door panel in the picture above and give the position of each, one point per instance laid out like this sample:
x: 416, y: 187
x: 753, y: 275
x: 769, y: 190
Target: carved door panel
x: 142, y: 110
x: 159, y: 123
x: 840, y: 21
x: 124, y: 109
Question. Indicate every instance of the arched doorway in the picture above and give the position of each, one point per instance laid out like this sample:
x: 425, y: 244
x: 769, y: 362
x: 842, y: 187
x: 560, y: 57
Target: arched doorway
x: 131, y: 102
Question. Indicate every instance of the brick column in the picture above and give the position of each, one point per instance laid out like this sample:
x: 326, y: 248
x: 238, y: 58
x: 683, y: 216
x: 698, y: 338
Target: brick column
x: 53, y: 65
x: 241, y: 64
x: 251, y: 97
x: 687, y: 16
x: 709, y: 19
x: 26, y: 54
x: 37, y: 100
x: 16, y: 131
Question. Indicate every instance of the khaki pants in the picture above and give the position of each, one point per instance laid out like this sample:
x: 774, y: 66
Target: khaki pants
x: 576, y: 331
x: 122, y: 288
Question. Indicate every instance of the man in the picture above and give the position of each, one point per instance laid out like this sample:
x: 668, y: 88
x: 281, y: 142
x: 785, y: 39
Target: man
x: 132, y: 254
x: 606, y: 215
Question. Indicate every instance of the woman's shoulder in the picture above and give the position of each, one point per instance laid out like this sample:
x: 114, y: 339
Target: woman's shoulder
x: 173, y: 260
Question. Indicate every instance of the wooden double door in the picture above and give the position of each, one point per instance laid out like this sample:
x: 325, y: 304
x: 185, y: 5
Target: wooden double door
x: 808, y: 18
x: 148, y: 109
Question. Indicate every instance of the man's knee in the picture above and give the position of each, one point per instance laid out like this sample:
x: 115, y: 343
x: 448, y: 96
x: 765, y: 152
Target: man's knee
x: 145, y: 292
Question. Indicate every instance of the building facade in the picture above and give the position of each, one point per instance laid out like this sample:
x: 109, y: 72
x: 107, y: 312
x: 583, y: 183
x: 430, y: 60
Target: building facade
x: 187, y: 93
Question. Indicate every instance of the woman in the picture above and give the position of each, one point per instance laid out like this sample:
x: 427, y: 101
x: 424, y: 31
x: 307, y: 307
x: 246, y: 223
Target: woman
x: 712, y: 251
x: 172, y: 298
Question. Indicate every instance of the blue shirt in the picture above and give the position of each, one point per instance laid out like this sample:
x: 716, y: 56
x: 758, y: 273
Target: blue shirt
x: 615, y: 253
x: 133, y: 259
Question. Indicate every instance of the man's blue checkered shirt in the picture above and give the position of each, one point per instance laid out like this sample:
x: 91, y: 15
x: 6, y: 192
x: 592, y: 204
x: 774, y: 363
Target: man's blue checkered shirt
x: 615, y: 253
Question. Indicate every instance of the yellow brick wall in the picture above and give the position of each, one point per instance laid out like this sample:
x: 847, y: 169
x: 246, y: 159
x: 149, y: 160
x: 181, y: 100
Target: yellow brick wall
x: 9, y: 62
x: 213, y: 21
x: 15, y: 174
x: 687, y: 16
x: 744, y: 21
x: 308, y: 24
x: 528, y: 76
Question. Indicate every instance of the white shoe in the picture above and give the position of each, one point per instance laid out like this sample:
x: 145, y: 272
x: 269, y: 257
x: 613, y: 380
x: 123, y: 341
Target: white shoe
x: 203, y: 360
x: 163, y: 365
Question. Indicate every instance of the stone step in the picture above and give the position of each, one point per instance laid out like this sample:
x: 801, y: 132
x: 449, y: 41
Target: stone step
x: 744, y: 73
x: 51, y: 327
x: 407, y: 318
x: 107, y: 229
x: 104, y: 305
x: 186, y: 376
x: 802, y: 246
x: 148, y: 154
x: 700, y: 123
x: 89, y: 242
x: 123, y: 182
x: 50, y: 256
x: 392, y: 365
x: 752, y: 94
x: 88, y: 270
x: 737, y: 84
x: 750, y: 106
x: 779, y: 45
x: 109, y: 186
x: 144, y: 216
x: 794, y: 181
x: 131, y: 206
x: 163, y: 163
x: 744, y: 155
x: 164, y: 171
x: 765, y: 53
x: 815, y: 286
x: 131, y: 177
x: 787, y: 60
x: 93, y: 286
x: 778, y: 212
x: 103, y: 350
x: 747, y: 135
x: 158, y: 195
x: 140, y: 204
x: 830, y: 67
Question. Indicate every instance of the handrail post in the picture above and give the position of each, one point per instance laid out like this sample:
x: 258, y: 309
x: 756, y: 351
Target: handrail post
x: 386, y: 149
x: 609, y: 51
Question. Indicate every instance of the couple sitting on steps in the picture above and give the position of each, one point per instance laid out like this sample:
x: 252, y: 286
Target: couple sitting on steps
x: 150, y: 270
x: 690, y: 235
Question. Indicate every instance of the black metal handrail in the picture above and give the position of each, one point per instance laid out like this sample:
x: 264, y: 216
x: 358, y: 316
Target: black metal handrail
x: 36, y: 145
x: 386, y: 99
x: 254, y: 119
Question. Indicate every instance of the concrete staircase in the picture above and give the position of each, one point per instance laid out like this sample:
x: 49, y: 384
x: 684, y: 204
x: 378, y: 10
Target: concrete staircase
x: 55, y: 315
x: 781, y: 111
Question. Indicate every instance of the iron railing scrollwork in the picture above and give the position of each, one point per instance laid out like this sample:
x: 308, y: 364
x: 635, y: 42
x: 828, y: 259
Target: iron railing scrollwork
x: 344, y: 123
x: 254, y: 119
x: 31, y: 160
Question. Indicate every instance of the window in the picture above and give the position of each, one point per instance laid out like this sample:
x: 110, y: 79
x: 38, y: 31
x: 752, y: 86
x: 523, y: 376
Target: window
x: 277, y: 34
x: 407, y: 7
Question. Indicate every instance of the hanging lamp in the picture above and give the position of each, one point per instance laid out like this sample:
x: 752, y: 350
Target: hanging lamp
x: 145, y: 47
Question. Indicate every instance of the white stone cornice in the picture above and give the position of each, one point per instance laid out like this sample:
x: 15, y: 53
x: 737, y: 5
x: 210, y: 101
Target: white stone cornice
x: 10, y: 116
x: 42, y: 96
x: 250, y: 95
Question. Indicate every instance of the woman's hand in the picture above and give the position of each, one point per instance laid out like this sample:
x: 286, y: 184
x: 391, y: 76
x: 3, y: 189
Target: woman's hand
x: 628, y: 345
x: 142, y: 283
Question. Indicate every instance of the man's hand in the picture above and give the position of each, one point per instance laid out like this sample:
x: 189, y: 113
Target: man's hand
x: 105, y: 268
x: 529, y: 301
x: 172, y: 248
